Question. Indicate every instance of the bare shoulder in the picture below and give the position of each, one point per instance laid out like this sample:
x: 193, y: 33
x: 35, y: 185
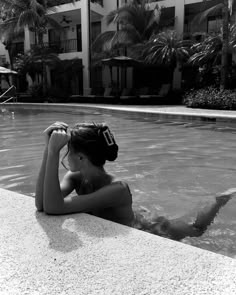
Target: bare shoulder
x: 75, y: 177
x: 69, y: 182
x: 124, y: 191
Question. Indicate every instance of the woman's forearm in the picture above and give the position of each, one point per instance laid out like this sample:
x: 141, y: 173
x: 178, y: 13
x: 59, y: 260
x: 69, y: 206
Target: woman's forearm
x: 40, y: 182
x: 53, y: 200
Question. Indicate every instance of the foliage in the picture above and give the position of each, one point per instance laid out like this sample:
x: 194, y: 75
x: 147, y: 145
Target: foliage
x: 24, y: 65
x: 57, y: 93
x: 226, y: 8
x: 35, y: 62
x: 211, y: 98
x: 36, y: 91
x: 19, y: 14
x: 32, y: 62
x: 167, y: 48
x: 208, y: 52
x: 64, y: 73
x: 53, y: 94
x: 135, y: 23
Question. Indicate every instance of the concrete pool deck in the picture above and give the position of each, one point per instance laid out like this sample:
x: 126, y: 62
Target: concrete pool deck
x: 82, y: 254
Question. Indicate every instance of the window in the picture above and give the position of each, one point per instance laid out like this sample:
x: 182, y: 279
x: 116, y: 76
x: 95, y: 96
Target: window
x: 95, y: 30
x: 214, y: 24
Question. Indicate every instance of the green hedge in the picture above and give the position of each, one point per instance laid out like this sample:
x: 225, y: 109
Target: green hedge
x: 211, y: 98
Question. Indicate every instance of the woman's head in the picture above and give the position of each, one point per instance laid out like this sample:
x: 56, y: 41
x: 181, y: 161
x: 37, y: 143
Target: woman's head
x: 95, y: 141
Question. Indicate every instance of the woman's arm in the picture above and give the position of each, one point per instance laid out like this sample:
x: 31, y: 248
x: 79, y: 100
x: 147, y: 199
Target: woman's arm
x: 52, y: 193
x: 40, y: 182
x: 41, y: 177
x: 113, y: 195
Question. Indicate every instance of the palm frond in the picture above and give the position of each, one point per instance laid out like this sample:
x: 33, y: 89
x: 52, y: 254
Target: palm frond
x: 53, y: 23
x: 137, y: 15
x: 125, y: 37
x: 167, y: 48
x: 28, y: 18
x: 200, y: 17
x: 102, y: 40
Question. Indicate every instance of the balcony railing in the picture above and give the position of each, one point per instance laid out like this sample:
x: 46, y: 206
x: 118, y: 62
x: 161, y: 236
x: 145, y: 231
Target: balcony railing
x: 98, y: 2
x: 52, y: 3
x: 65, y: 46
x: 56, y: 2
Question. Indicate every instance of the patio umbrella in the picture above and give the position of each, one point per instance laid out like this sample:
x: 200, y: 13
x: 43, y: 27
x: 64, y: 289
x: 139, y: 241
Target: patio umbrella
x: 6, y: 71
x: 120, y: 61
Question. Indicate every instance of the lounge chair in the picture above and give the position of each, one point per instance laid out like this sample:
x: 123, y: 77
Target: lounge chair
x: 164, y: 91
x: 108, y: 93
x: 9, y: 95
x: 127, y: 94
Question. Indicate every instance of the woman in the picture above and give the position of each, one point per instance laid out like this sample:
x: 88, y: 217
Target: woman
x: 98, y: 193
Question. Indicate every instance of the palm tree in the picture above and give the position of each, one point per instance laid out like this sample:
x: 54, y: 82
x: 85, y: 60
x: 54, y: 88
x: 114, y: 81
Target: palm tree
x: 135, y: 22
x: 19, y: 14
x: 167, y: 48
x: 35, y: 62
x: 226, y: 7
x: 208, y: 54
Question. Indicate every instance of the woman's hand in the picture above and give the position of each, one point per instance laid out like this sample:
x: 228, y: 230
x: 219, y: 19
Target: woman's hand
x: 55, y: 126
x: 58, y: 139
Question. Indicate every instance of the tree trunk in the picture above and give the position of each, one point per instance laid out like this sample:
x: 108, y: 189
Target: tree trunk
x: 225, y: 46
x: 44, y: 79
x: 9, y: 48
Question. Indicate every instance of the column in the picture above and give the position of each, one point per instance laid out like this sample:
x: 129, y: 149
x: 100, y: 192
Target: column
x: 179, y: 28
x: 179, y: 16
x: 27, y: 39
x: 27, y: 48
x: 85, y: 19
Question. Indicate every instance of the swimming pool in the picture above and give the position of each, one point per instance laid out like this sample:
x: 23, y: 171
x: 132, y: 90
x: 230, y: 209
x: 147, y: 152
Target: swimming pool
x: 172, y: 167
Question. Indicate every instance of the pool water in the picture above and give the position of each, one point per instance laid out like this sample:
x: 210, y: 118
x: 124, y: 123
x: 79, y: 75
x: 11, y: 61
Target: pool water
x: 172, y: 167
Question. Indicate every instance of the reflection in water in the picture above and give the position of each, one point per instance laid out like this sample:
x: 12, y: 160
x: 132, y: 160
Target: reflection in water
x: 172, y: 167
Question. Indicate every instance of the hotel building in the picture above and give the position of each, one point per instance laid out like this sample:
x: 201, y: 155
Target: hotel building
x: 83, y: 21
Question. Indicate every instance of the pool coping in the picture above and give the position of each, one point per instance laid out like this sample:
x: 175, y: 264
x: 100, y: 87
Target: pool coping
x: 83, y: 254
x: 181, y: 113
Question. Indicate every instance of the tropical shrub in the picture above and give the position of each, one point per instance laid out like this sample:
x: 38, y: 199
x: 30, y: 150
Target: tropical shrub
x: 36, y: 91
x: 211, y: 98
x: 56, y: 94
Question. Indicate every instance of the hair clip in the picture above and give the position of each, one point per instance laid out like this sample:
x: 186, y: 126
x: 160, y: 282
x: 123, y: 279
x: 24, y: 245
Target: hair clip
x: 108, y: 137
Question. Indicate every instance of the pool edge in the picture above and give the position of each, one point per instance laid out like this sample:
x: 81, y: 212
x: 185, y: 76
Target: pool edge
x: 156, y: 112
x: 82, y: 254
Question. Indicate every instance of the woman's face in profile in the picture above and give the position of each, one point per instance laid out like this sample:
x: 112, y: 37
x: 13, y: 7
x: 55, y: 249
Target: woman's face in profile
x: 73, y: 160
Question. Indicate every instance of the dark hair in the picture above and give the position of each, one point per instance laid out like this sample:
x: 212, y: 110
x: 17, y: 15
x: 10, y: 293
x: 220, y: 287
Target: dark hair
x: 94, y: 140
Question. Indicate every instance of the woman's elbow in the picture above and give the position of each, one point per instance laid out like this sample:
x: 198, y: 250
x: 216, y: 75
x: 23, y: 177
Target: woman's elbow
x: 126, y: 193
x: 53, y: 210
x: 38, y: 205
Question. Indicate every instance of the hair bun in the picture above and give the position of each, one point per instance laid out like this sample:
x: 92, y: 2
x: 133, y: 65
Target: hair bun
x: 110, y: 148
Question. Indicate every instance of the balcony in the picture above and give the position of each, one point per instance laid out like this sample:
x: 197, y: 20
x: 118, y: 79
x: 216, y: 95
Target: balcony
x: 98, y: 2
x: 65, y: 46
x: 56, y: 2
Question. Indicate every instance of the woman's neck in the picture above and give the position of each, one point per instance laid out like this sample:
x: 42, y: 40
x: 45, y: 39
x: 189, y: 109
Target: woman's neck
x: 98, y: 177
